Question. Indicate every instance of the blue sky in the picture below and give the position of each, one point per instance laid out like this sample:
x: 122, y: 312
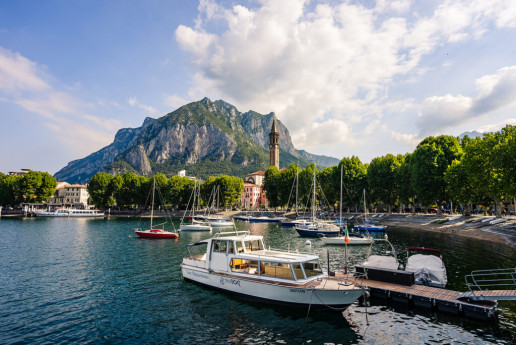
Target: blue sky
x: 361, y: 78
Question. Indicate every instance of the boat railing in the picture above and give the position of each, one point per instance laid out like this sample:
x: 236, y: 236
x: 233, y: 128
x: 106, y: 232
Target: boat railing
x: 496, y: 279
x: 235, y: 232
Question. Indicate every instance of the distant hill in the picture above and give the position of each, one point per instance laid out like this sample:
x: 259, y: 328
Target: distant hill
x: 472, y: 134
x: 206, y: 138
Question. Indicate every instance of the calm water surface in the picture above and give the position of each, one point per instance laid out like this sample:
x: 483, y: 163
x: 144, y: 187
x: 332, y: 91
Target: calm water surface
x: 93, y: 281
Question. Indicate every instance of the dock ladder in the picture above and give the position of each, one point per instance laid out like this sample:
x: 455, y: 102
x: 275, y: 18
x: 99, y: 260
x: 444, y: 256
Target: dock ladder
x: 491, y: 285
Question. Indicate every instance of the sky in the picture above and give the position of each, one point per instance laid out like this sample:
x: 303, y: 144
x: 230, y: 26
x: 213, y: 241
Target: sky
x: 364, y: 78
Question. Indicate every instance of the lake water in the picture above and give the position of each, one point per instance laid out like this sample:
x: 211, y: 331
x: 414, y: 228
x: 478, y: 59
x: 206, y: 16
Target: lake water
x: 94, y: 281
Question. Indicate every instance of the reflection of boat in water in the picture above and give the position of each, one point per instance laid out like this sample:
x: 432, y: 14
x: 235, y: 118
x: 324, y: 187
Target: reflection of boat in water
x: 70, y: 212
x: 238, y: 263
x: 154, y: 232
x: 428, y: 269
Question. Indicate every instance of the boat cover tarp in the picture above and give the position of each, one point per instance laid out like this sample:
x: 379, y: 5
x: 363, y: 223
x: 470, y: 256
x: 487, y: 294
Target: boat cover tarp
x: 380, y: 261
x: 428, y: 269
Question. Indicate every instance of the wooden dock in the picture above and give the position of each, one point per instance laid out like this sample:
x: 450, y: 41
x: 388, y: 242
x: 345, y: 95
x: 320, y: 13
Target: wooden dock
x: 421, y: 296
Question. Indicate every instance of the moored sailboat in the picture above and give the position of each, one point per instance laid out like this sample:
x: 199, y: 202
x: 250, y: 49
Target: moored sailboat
x: 154, y: 231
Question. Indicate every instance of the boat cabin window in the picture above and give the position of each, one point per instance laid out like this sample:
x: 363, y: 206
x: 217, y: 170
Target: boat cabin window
x: 231, y: 247
x: 244, y: 266
x: 220, y: 246
x: 276, y: 269
x: 253, y: 245
x: 239, y: 247
x: 298, y: 272
x: 312, y: 268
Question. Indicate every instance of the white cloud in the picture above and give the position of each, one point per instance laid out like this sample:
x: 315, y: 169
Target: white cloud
x: 25, y: 83
x: 495, y: 91
x: 133, y: 102
x: 496, y: 127
x: 18, y: 73
x: 175, y: 101
x: 304, y: 60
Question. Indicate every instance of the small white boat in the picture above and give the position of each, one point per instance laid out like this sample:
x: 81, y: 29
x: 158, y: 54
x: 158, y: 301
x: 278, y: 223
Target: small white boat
x: 220, y: 223
x: 351, y: 240
x: 237, y: 263
x: 428, y: 269
x: 195, y: 224
x: 70, y: 212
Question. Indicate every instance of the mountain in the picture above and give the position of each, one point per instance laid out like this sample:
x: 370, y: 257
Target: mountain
x: 205, y: 138
x: 472, y: 134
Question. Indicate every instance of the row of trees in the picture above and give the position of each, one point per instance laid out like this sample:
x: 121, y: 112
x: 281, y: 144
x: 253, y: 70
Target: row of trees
x: 35, y: 186
x: 132, y: 191
x: 440, y: 171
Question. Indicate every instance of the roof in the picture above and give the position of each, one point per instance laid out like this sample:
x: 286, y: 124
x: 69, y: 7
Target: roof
x: 257, y: 173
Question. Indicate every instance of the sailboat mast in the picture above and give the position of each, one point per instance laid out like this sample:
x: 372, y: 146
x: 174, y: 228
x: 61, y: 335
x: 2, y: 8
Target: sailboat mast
x: 152, y: 205
x: 297, y: 186
x: 313, y: 200
x: 365, y: 207
x: 340, y: 201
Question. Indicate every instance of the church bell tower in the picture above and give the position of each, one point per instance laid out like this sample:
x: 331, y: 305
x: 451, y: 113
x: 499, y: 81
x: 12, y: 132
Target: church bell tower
x: 274, y: 144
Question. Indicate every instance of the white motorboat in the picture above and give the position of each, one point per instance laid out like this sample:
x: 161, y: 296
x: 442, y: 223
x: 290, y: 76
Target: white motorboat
x: 238, y: 263
x: 70, y: 212
x: 428, y: 269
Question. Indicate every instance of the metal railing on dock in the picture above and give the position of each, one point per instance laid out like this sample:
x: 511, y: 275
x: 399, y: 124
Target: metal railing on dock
x: 492, y: 285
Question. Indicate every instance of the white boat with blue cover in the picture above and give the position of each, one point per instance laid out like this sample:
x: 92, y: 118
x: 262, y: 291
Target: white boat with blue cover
x: 237, y: 263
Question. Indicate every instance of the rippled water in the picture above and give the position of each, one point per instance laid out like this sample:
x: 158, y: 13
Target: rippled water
x: 93, y: 281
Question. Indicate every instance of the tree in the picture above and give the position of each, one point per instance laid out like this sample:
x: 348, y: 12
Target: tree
x: 330, y: 184
x: 403, y: 176
x: 8, y: 188
x: 353, y: 181
x: 100, y: 192
x: 382, y: 180
x: 46, y: 188
x: 459, y: 185
x: 271, y: 186
x: 428, y: 165
x: 179, y: 191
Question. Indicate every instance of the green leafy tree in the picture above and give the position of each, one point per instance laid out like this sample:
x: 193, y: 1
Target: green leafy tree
x: 100, y: 192
x: 224, y: 190
x: 8, y: 190
x: 286, y: 186
x: 28, y: 186
x: 272, y: 187
x: 306, y: 180
x: 429, y: 163
x: 403, y: 177
x: 459, y: 186
x: 382, y: 180
x: 46, y: 188
x: 354, y: 181
x: 179, y: 191
x: 329, y: 179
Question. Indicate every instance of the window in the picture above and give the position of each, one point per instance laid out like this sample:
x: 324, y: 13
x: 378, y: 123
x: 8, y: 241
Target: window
x: 231, y: 247
x: 253, y: 245
x: 244, y: 266
x: 298, y: 272
x: 239, y: 247
x: 312, y: 268
x: 219, y: 246
x: 276, y: 269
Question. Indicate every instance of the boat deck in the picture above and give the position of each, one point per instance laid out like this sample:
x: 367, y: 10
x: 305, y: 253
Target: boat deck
x: 442, y: 300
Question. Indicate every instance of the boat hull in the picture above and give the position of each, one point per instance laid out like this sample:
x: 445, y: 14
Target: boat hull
x: 273, y: 293
x: 316, y: 233
x: 342, y: 240
x: 150, y: 234
x: 195, y: 227
x: 370, y: 228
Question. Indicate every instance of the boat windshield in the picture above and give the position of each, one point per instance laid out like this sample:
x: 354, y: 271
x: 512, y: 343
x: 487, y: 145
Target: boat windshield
x: 312, y: 268
x: 253, y: 245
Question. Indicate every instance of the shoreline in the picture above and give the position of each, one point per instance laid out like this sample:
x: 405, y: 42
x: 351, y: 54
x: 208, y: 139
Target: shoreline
x: 479, y: 227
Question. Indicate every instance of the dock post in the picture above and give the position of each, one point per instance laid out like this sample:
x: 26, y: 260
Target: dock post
x: 0, y: 211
